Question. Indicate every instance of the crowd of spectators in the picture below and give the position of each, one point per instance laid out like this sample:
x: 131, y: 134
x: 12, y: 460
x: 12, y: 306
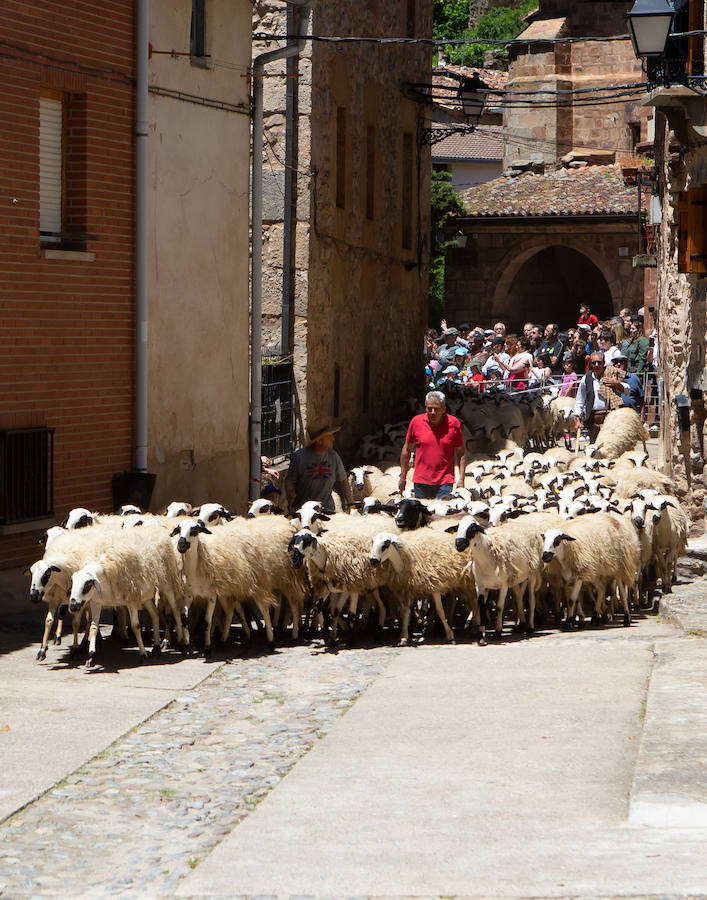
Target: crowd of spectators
x: 490, y: 360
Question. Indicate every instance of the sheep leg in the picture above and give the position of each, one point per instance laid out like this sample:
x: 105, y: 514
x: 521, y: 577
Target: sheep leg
x: 623, y: 594
x: 244, y: 620
x: 572, y: 603
x: 171, y: 603
x: 263, y: 602
x: 227, y: 610
x: 95, y: 615
x: 208, y: 622
x: 518, y: 592
x: 135, y: 625
x: 502, y: 591
x: 381, y: 607
x: 48, y: 622
x: 149, y: 605
x: 295, y: 616
x: 532, y: 587
x: 439, y: 608
x: 59, y: 626
x: 405, y: 623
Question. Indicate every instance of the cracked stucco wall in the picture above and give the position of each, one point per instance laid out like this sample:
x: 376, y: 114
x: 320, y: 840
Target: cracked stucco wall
x: 198, y: 259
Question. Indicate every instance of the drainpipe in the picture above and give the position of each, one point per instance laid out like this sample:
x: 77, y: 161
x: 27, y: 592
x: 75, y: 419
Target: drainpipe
x: 143, y: 26
x: 256, y: 342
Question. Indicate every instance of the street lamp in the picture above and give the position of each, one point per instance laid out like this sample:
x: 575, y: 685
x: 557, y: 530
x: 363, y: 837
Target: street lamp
x: 472, y: 94
x: 649, y: 24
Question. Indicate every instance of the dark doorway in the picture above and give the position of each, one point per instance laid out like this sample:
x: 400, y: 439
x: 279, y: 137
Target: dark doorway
x: 550, y: 287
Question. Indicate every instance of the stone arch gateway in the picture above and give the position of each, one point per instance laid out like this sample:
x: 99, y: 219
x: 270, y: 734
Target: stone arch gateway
x: 548, y: 284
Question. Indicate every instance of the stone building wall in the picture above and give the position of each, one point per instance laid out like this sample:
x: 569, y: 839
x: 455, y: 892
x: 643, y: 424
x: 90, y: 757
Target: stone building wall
x: 357, y: 291
x: 682, y: 336
x: 486, y: 281
x: 553, y: 131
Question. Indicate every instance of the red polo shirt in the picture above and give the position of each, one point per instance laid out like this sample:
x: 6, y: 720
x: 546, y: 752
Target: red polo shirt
x: 434, y: 448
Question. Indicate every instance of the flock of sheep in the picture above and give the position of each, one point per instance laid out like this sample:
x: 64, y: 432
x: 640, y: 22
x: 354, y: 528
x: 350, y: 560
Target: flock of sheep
x: 556, y: 533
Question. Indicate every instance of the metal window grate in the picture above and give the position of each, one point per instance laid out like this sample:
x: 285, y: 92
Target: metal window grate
x: 277, y: 410
x: 26, y: 474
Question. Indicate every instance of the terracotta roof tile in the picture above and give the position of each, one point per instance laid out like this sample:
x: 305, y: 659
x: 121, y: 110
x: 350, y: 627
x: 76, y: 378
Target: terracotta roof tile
x: 594, y: 190
x: 449, y: 77
x: 486, y: 142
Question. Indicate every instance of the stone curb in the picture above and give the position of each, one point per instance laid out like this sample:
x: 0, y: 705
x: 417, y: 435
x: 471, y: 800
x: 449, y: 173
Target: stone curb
x: 686, y: 606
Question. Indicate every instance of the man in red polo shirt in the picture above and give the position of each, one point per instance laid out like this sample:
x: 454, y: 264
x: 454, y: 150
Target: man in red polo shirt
x: 437, y: 440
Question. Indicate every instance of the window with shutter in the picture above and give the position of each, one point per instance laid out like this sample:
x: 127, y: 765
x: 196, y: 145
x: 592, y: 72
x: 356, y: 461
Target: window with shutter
x: 695, y: 47
x: 692, y: 231
x: 51, y: 168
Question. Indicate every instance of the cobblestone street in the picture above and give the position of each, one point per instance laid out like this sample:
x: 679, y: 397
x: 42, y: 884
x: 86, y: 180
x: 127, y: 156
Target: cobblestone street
x: 597, y: 735
x: 138, y: 817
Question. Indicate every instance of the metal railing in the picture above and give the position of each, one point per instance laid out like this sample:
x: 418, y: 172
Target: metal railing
x: 277, y: 413
x: 26, y: 475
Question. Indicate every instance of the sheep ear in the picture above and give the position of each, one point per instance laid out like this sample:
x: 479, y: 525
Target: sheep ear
x: 28, y: 573
x: 204, y: 530
x: 450, y: 530
x: 195, y: 513
x: 395, y: 544
x: 323, y: 517
x: 65, y: 521
x: 175, y: 531
x: 568, y: 537
x: 291, y: 545
x: 54, y: 568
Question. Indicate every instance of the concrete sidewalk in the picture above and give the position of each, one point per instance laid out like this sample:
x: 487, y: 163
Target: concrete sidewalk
x: 55, y: 714
x: 515, y: 771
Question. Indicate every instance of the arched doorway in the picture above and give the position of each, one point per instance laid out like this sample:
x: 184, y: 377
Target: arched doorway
x: 550, y: 286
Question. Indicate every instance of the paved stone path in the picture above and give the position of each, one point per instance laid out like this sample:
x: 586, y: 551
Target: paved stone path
x: 137, y: 820
x: 138, y: 817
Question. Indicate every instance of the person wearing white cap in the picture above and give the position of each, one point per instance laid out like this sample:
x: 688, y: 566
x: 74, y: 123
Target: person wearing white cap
x: 316, y: 468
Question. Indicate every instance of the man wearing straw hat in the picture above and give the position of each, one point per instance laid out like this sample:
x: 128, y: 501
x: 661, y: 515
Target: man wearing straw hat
x: 316, y: 468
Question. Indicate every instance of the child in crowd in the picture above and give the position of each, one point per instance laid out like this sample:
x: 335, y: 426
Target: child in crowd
x: 570, y: 379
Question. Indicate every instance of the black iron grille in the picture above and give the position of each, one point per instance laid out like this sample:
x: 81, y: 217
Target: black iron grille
x: 277, y: 406
x: 26, y: 474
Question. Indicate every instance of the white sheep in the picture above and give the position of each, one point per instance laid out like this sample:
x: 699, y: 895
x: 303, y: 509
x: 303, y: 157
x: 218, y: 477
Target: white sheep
x: 361, y: 479
x: 423, y: 563
x: 129, y: 573
x: 338, y: 563
x: 670, y: 536
x: 65, y: 553
x: 631, y: 481
x: 621, y: 430
x: 599, y: 551
x: 506, y: 557
x: 223, y: 566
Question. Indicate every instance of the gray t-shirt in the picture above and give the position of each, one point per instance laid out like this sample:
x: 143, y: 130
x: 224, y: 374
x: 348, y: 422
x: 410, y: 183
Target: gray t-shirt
x: 314, y: 475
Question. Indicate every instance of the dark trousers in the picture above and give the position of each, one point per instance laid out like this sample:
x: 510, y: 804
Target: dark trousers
x: 432, y: 491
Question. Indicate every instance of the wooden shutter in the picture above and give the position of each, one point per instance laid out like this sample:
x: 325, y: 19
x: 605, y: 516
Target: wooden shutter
x: 51, y: 168
x: 695, y: 44
x: 697, y: 231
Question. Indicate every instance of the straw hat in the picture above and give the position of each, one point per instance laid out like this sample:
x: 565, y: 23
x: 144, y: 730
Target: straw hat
x: 315, y: 430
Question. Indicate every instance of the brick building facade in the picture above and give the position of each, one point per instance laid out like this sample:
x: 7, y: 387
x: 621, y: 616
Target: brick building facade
x: 67, y: 297
x: 68, y: 264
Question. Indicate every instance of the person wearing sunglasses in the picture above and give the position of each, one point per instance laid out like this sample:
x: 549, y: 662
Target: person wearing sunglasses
x: 590, y: 407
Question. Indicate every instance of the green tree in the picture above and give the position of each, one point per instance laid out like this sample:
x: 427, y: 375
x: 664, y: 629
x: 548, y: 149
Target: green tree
x: 500, y: 24
x: 451, y: 18
x: 444, y: 202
